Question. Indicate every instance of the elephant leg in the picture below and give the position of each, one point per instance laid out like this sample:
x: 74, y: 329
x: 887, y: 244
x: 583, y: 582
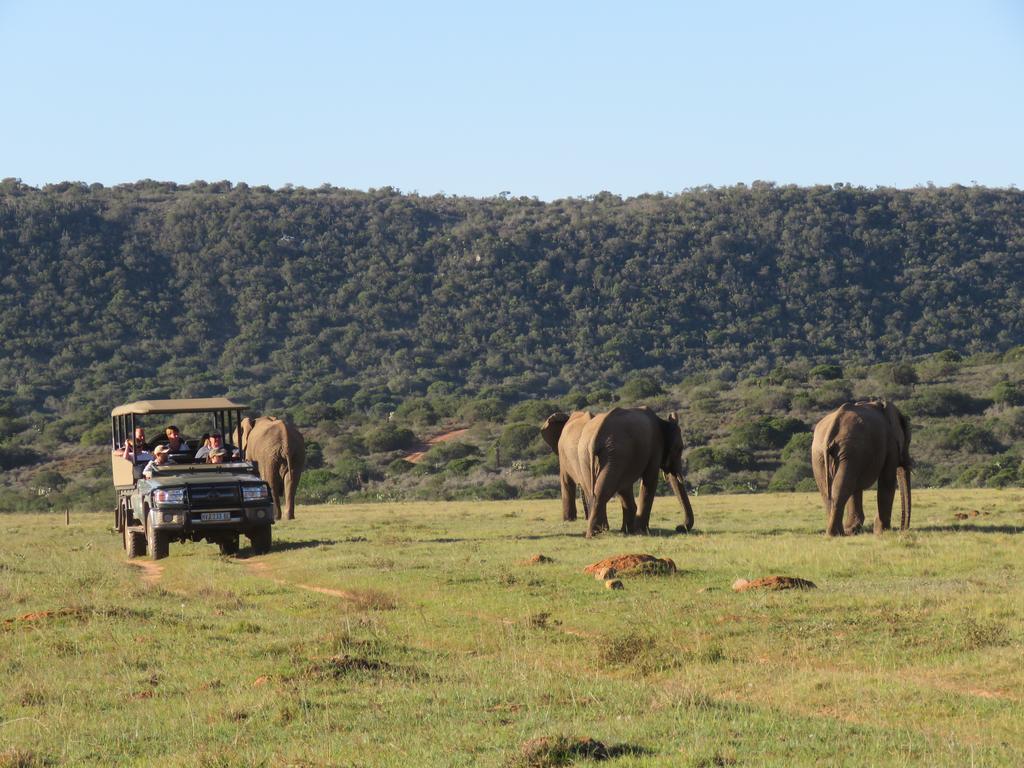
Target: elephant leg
x: 886, y: 494
x: 598, y: 520
x: 841, y: 492
x: 648, y: 489
x: 277, y: 491
x: 628, y: 510
x: 854, y: 513
x: 569, y: 498
x: 290, y: 486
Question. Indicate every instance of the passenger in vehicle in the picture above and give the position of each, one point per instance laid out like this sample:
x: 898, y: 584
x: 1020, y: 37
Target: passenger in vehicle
x: 216, y: 442
x: 137, y: 449
x: 179, y: 450
x: 160, y: 458
x: 217, y: 456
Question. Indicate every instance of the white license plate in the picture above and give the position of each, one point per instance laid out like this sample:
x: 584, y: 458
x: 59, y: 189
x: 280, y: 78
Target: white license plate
x: 215, y: 516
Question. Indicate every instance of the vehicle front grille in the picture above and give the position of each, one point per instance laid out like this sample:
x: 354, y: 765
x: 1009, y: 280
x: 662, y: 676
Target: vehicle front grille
x: 213, y: 496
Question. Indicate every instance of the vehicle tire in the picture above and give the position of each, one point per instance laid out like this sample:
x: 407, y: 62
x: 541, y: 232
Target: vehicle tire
x: 157, y: 543
x: 261, y: 538
x: 228, y: 546
x: 134, y: 543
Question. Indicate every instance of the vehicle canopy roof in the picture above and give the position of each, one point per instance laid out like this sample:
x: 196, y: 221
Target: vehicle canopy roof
x: 191, y: 405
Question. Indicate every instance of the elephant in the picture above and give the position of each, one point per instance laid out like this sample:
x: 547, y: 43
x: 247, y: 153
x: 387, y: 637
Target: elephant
x: 280, y: 451
x: 853, y: 447
x: 561, y: 431
x: 622, y: 446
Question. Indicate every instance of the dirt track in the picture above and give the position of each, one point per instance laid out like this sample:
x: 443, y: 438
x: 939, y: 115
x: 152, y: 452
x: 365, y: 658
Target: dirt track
x: 421, y: 451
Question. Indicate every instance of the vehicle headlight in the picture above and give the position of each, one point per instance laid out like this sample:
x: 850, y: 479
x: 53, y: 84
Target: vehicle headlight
x: 254, y: 492
x: 169, y: 496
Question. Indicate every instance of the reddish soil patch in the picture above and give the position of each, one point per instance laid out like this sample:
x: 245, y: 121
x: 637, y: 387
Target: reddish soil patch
x: 417, y: 455
x: 43, y: 615
x: 633, y: 565
x: 364, y: 599
x: 151, y: 572
x: 538, y: 560
x: 773, y: 582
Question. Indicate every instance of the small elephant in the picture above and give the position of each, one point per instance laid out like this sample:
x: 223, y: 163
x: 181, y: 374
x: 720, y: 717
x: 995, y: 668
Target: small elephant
x: 853, y: 447
x: 562, y: 432
x: 280, y: 452
x: 620, y: 447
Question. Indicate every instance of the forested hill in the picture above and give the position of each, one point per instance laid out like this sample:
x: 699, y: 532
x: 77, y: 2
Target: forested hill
x: 295, y: 296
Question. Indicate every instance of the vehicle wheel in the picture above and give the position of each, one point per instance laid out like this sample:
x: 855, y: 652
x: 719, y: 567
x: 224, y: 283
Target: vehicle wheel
x: 134, y: 543
x: 157, y: 543
x: 228, y: 546
x: 260, y: 538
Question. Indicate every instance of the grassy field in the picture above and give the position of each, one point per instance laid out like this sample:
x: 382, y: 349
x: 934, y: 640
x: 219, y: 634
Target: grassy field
x: 417, y: 634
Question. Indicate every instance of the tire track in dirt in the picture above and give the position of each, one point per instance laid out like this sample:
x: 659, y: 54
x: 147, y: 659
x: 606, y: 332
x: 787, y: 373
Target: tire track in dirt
x: 261, y: 569
x: 151, y: 571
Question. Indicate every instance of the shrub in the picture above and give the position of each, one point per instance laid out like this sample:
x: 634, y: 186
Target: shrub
x: 444, y: 453
x: 462, y: 466
x: 416, y: 410
x: 944, y: 401
x: 766, y: 432
x: 969, y: 437
x: 389, y: 437
x: 546, y: 466
x: 798, y: 448
x: 314, y: 455
x: 730, y: 458
x: 521, y: 441
x: 399, y: 467
x: 640, y: 387
x: 826, y: 372
x: 790, y: 474
x: 15, y: 456
x: 903, y: 374
x: 831, y: 395
x: 1007, y: 393
x: 483, y: 409
x: 531, y: 411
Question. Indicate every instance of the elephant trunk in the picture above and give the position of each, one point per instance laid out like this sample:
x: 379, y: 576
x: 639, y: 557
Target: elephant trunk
x: 903, y: 478
x: 675, y: 479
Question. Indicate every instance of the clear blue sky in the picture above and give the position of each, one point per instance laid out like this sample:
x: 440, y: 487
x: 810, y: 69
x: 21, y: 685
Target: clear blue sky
x: 550, y: 99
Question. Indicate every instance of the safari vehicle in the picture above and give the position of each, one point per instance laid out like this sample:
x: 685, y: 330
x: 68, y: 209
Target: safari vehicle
x: 187, y: 501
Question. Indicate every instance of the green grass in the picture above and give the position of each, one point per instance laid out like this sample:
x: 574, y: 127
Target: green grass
x: 444, y: 648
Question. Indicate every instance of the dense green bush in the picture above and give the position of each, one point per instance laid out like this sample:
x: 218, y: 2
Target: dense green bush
x: 531, y: 411
x: 389, y: 437
x: 944, y: 401
x: 729, y: 458
x: 521, y: 441
x: 639, y: 388
x: 1007, y: 393
x: 903, y: 374
x: 765, y: 432
x: 416, y: 410
x: 15, y: 456
x: 798, y: 447
x: 788, y: 476
x: 968, y: 437
x: 483, y: 409
x: 826, y: 371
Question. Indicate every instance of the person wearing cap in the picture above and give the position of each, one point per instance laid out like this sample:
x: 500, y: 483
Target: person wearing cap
x: 160, y: 456
x: 215, y: 442
x: 217, y: 456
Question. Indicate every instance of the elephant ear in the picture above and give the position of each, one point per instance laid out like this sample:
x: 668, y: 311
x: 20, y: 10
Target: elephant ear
x: 552, y: 429
x: 245, y: 427
x: 900, y: 426
x: 672, y: 441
